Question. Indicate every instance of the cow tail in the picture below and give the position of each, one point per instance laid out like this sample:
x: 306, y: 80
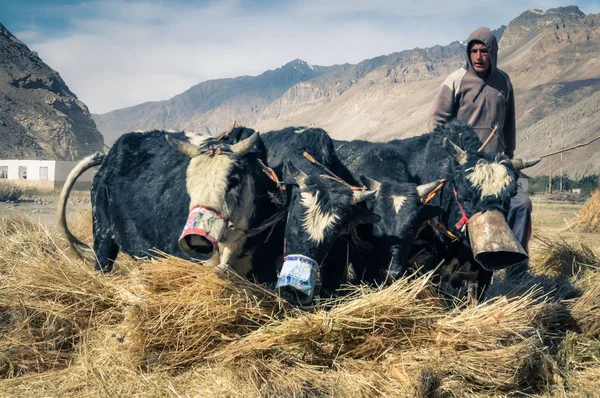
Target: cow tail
x: 83, y: 250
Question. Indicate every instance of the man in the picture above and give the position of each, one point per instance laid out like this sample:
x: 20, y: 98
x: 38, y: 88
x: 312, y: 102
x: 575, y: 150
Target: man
x: 482, y: 95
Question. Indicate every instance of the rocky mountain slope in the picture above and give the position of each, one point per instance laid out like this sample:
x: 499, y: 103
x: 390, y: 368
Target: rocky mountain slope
x: 40, y: 118
x: 553, y: 58
x: 210, y: 106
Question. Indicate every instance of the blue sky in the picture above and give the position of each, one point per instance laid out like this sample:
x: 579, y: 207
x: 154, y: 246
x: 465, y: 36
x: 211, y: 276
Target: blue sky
x: 117, y: 53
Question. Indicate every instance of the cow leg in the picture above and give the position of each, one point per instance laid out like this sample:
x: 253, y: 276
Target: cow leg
x: 472, y: 289
x: 106, y: 250
x: 484, y: 279
x: 105, y: 246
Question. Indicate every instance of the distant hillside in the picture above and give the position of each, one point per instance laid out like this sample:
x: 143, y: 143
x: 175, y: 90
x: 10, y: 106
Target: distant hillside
x: 210, y: 106
x: 553, y: 59
x: 40, y: 117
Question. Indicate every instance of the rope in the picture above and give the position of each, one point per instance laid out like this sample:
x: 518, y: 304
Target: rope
x: 571, y: 148
x: 441, y: 228
x: 331, y: 174
x: 272, y: 175
x: 487, y: 141
x: 434, y: 192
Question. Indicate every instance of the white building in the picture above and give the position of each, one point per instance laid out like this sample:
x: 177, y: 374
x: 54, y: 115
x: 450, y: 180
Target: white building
x: 44, y: 174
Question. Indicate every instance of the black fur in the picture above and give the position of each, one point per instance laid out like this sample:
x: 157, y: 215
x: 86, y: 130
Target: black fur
x: 285, y: 153
x: 424, y: 159
x: 392, y: 237
x: 140, y: 201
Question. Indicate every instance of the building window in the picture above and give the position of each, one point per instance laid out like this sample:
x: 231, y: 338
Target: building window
x: 43, y: 173
x: 22, y: 172
x: 3, y: 172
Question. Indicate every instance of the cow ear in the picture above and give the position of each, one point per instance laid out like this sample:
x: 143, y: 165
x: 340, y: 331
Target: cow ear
x: 293, y: 174
x: 184, y: 147
x: 245, y: 146
x: 370, y: 183
x: 363, y: 216
x: 427, y: 212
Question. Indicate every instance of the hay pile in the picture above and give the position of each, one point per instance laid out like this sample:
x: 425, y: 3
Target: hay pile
x: 558, y: 259
x: 588, y: 219
x: 169, y: 327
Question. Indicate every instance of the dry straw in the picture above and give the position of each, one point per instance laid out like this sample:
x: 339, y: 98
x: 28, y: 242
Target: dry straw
x: 588, y: 219
x: 169, y: 327
x: 559, y: 259
x: 186, y: 311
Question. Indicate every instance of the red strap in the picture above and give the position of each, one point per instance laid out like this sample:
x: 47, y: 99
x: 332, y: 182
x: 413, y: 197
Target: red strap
x: 464, y: 220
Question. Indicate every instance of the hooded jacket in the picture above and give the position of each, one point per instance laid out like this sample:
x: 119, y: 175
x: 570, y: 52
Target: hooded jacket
x: 483, y: 102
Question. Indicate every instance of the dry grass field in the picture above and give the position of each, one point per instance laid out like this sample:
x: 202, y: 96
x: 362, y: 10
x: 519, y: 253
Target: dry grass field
x: 171, y: 328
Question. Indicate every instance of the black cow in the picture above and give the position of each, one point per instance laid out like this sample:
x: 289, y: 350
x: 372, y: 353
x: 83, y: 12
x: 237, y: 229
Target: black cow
x: 482, y: 184
x: 322, y: 210
x: 398, y: 201
x: 150, y: 183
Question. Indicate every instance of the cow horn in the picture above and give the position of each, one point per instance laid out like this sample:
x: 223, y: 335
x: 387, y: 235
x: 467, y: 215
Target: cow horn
x: 359, y: 196
x: 459, y: 154
x: 370, y: 183
x: 184, y: 147
x: 520, y: 164
x: 298, y: 175
x: 425, y: 189
x: 243, y: 147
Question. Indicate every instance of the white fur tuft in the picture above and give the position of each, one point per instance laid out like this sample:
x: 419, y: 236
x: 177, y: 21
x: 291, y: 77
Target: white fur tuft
x: 315, y: 222
x: 492, y: 178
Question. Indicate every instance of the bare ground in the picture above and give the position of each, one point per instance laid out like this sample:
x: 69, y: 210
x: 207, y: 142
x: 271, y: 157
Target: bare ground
x: 43, y: 208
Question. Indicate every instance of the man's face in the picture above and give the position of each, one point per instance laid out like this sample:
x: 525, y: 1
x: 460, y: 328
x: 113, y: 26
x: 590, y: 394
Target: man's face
x: 480, y: 58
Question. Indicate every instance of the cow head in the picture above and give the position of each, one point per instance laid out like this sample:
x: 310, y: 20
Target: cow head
x: 221, y: 189
x: 402, y: 213
x: 485, y: 184
x: 321, y: 209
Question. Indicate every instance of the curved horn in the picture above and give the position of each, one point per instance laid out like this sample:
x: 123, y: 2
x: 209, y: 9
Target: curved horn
x: 359, y: 196
x: 425, y: 189
x: 370, y: 183
x: 520, y: 164
x: 243, y: 147
x: 298, y: 175
x: 185, y: 147
x: 459, y: 154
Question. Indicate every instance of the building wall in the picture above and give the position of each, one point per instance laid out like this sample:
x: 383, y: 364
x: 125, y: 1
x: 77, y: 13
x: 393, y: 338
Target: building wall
x: 33, y: 168
x: 57, y: 173
x: 62, y: 172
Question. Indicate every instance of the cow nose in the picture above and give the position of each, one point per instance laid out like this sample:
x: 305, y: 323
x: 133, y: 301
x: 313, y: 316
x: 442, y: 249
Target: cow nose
x: 198, y: 246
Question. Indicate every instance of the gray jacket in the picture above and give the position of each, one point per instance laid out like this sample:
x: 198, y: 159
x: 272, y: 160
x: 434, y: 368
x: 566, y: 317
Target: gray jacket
x: 481, y: 102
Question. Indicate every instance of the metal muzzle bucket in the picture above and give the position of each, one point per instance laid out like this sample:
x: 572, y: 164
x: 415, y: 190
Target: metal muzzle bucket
x: 298, y: 278
x: 202, y: 232
x: 493, y: 243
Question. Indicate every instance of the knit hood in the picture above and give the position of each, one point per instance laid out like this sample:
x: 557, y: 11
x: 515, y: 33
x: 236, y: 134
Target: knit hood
x: 485, y: 36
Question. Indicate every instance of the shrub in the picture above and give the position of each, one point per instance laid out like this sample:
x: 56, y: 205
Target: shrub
x: 9, y: 191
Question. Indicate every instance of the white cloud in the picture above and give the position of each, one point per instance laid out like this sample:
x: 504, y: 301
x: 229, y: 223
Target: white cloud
x: 118, y: 54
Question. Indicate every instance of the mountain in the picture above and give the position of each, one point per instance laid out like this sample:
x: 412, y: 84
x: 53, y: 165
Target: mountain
x: 295, y: 88
x: 40, y: 118
x: 552, y: 57
x: 210, y: 106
